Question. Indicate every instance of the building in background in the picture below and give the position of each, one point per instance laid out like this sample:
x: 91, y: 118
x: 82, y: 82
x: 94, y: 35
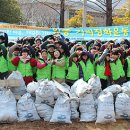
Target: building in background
x: 47, y: 12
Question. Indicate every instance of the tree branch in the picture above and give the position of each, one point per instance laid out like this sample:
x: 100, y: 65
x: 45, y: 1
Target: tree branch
x: 96, y: 9
x: 101, y: 2
x: 48, y: 6
x: 97, y: 5
x: 116, y: 5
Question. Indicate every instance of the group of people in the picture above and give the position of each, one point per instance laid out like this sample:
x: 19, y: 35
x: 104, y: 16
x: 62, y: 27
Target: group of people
x: 56, y: 58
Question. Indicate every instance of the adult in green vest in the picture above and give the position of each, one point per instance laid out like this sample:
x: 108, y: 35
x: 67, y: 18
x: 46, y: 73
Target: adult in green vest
x: 43, y: 66
x: 73, y: 69
x: 25, y: 64
x: 118, y: 74
x: 3, y: 62
x: 86, y: 65
x: 58, y: 67
x: 127, y: 66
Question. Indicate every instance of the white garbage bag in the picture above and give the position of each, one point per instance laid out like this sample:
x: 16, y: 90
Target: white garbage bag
x: 45, y: 94
x: 95, y: 82
x: 44, y: 111
x: 66, y: 86
x: 26, y: 109
x: 105, y: 111
x: 60, y: 89
x: 80, y: 87
x: 31, y: 87
x: 126, y: 84
x: 62, y: 111
x: 20, y: 90
x: 74, y: 104
x: 122, y: 106
x: 126, y: 88
x: 8, y: 110
x: 114, y: 89
x: 87, y: 108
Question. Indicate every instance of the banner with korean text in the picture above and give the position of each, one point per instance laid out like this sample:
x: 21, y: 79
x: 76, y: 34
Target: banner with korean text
x: 113, y: 32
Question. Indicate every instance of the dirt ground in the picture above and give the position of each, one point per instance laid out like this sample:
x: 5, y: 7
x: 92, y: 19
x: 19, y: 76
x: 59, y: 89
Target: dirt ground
x: 76, y: 125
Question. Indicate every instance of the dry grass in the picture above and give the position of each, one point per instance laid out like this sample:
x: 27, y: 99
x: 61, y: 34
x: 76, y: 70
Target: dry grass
x: 41, y: 125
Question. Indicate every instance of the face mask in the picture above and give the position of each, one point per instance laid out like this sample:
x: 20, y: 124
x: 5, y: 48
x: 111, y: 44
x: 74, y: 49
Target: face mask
x: 111, y: 59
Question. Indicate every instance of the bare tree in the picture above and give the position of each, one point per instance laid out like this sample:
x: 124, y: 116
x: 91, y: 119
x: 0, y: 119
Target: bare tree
x: 62, y: 13
x: 107, y: 7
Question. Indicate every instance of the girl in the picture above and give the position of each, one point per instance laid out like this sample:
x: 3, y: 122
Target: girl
x: 43, y: 66
x: 25, y: 64
x: 58, y: 67
x: 103, y: 68
x: 118, y: 74
x: 73, y: 70
x: 86, y: 65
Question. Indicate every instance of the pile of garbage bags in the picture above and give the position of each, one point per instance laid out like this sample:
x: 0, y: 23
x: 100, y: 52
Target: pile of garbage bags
x: 54, y: 102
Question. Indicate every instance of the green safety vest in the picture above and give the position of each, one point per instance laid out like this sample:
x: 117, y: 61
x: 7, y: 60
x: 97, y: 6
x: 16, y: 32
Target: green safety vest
x: 58, y: 72
x: 100, y: 70
x: 66, y: 62
x: 128, y: 69
x: 3, y: 65
x: 25, y: 69
x: 73, y: 72
x: 3, y: 44
x: 117, y: 70
x: 44, y: 73
x: 11, y: 67
x: 49, y: 56
x: 88, y: 69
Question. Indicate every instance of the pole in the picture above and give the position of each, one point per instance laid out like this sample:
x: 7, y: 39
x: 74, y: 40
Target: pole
x: 84, y: 13
x: 33, y: 12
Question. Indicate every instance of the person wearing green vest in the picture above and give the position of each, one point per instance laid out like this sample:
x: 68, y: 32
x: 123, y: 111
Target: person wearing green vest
x: 127, y: 66
x: 43, y: 66
x: 3, y: 63
x: 86, y: 65
x: 65, y: 53
x: 50, y: 50
x: 118, y: 74
x: 103, y: 68
x: 13, y: 51
x: 73, y: 69
x: 25, y: 64
x: 58, y: 67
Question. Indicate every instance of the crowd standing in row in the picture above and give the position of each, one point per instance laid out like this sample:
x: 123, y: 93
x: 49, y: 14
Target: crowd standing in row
x: 56, y: 58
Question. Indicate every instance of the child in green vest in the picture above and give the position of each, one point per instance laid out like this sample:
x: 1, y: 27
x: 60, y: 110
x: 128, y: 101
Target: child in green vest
x: 73, y: 69
x: 43, y: 66
x: 58, y: 67
x: 25, y: 64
